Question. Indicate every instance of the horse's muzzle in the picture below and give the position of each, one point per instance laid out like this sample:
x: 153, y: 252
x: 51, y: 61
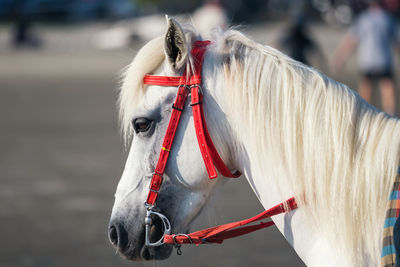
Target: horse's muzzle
x: 132, y: 246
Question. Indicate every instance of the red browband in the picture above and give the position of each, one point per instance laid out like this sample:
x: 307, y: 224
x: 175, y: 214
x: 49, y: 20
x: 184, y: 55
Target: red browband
x: 191, y: 83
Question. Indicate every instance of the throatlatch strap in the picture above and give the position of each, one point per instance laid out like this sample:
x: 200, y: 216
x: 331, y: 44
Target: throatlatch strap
x: 219, y: 233
x: 200, y: 132
x: 218, y: 162
x: 208, y: 151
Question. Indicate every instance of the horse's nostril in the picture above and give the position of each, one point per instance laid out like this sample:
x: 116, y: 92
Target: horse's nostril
x: 113, y: 235
x: 118, y: 236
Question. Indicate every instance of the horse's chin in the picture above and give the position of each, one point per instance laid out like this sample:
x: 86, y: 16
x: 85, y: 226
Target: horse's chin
x: 156, y: 253
x: 148, y: 253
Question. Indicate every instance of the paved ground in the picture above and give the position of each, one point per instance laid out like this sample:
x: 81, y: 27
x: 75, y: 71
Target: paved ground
x: 61, y: 158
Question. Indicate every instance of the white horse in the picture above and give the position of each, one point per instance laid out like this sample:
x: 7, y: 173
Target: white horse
x: 290, y: 130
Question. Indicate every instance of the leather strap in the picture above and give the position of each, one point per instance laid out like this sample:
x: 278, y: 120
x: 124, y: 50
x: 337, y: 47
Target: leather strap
x: 157, y: 178
x: 183, y: 83
x: 219, y: 233
x: 162, y: 80
x: 200, y: 133
x: 210, y: 154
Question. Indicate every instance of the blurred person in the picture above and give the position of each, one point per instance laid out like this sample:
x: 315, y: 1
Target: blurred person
x: 22, y: 34
x: 209, y: 16
x: 374, y: 32
x: 297, y: 41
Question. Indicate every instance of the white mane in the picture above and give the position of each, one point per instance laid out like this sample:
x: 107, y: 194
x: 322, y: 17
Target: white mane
x: 338, y: 154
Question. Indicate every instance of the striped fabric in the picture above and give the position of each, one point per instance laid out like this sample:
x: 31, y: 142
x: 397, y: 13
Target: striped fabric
x: 388, y: 256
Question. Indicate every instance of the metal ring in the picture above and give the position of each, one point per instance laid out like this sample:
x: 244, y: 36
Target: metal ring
x: 187, y: 236
x: 166, y: 225
x: 148, y: 206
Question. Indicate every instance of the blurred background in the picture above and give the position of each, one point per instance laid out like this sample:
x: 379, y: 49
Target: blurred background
x: 61, y: 155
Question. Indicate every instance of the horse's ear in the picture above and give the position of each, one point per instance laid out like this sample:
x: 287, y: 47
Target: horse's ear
x: 175, y: 45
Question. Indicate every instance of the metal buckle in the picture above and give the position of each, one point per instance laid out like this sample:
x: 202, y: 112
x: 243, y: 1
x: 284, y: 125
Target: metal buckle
x: 175, y: 107
x: 186, y: 86
x: 198, y: 86
x: 147, y: 222
x: 197, y: 103
x: 154, y: 191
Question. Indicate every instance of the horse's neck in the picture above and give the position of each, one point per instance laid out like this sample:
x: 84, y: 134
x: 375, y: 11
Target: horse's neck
x: 314, y: 248
x: 311, y: 247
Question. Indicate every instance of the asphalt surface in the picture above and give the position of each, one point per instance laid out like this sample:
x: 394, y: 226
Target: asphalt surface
x: 61, y: 157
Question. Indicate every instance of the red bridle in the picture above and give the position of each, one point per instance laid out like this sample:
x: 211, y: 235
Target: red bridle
x: 191, y: 83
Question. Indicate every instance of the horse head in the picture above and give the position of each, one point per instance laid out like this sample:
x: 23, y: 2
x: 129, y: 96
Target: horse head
x: 145, y: 114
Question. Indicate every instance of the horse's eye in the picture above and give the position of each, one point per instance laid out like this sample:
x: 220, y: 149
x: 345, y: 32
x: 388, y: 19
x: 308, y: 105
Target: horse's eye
x: 141, y: 124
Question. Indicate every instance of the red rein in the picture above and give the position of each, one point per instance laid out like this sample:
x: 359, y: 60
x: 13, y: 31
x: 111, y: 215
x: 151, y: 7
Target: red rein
x: 192, y: 84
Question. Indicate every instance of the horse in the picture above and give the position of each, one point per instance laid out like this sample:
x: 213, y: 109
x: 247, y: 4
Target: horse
x: 289, y: 129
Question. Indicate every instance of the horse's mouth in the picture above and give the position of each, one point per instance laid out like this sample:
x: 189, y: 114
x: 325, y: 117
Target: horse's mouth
x: 134, y: 247
x: 159, y: 252
x: 156, y: 253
